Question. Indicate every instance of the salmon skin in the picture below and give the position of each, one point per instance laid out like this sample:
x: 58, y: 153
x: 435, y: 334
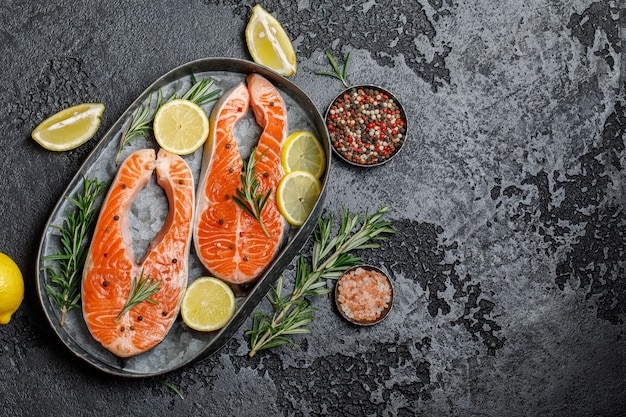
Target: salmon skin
x: 229, y: 242
x: 111, y: 266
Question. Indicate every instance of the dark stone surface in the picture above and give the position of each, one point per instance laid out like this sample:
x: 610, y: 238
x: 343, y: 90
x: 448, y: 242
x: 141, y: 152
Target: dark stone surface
x: 510, y: 259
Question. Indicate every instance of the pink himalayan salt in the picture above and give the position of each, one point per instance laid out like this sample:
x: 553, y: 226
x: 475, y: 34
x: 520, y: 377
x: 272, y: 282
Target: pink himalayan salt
x: 363, y: 294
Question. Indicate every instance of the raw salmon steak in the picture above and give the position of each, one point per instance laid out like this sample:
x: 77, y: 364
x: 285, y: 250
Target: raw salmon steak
x: 229, y: 242
x: 111, y: 265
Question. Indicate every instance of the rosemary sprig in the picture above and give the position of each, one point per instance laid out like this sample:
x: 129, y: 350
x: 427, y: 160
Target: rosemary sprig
x: 141, y: 290
x: 330, y: 258
x: 340, y: 74
x: 65, y: 274
x: 250, y: 197
x: 141, y: 122
x: 199, y: 92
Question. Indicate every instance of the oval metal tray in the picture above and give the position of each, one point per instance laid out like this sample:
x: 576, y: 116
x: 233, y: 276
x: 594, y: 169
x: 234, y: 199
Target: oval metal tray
x: 182, y: 346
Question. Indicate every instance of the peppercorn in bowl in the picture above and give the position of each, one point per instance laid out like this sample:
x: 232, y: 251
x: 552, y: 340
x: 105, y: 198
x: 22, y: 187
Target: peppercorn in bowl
x: 367, y: 125
x: 364, y: 295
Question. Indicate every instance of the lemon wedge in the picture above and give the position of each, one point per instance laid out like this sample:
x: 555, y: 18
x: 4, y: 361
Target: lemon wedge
x: 303, y: 151
x: 296, y: 194
x: 208, y: 304
x: 180, y: 126
x: 11, y: 288
x: 268, y: 42
x: 69, y: 128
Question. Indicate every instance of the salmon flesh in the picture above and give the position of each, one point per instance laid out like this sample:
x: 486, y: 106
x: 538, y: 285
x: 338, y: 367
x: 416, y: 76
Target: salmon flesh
x: 229, y: 242
x: 111, y: 266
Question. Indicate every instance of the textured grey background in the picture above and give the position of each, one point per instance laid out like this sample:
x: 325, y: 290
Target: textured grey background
x: 510, y: 258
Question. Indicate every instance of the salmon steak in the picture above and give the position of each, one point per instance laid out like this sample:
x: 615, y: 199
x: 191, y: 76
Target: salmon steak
x: 230, y: 242
x: 112, y: 272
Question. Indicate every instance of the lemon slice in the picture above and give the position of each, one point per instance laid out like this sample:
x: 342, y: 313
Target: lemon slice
x: 11, y: 288
x: 268, y: 42
x: 208, y: 304
x: 302, y: 151
x: 69, y: 128
x: 180, y: 126
x: 296, y: 195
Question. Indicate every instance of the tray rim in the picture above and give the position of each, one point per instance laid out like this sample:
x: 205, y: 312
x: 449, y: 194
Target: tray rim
x: 282, y: 259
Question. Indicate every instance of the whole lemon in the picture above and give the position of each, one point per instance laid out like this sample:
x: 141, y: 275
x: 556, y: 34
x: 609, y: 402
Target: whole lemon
x: 11, y: 288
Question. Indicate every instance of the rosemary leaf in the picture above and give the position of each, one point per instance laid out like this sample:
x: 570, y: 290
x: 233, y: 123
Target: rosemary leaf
x: 173, y: 388
x: 345, y: 69
x: 249, y: 197
x: 331, y: 257
x: 200, y: 92
x: 64, y: 273
x: 277, y: 341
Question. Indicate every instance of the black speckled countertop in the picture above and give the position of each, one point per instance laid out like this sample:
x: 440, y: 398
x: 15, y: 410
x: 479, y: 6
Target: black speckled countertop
x: 509, y: 264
